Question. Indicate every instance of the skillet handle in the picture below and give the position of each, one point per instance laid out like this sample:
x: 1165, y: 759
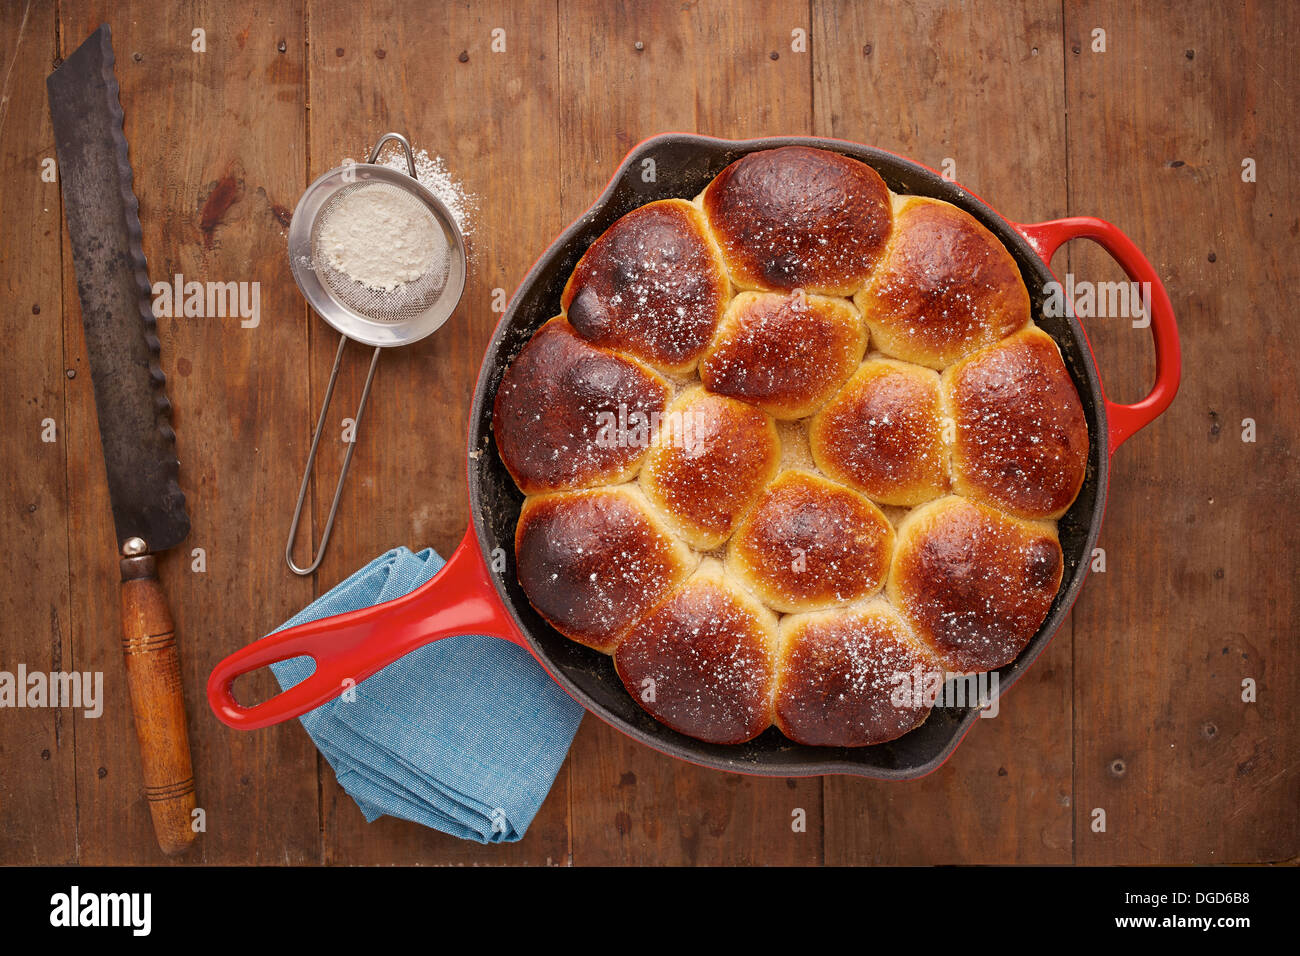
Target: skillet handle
x: 1124, y: 420
x: 348, y: 648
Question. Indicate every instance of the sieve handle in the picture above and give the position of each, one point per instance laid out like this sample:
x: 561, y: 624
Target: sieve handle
x: 311, y: 461
x: 406, y: 148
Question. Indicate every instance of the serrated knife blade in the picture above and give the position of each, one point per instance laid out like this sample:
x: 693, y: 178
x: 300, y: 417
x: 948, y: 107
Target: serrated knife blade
x: 134, y: 416
x: 116, y: 298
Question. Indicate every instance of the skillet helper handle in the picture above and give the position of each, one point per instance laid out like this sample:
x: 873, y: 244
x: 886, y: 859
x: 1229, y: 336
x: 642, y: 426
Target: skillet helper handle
x: 348, y: 648
x: 1124, y: 420
x: 153, y: 673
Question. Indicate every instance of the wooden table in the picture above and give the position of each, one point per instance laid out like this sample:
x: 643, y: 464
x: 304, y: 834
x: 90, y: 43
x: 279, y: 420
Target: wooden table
x: 1136, y: 708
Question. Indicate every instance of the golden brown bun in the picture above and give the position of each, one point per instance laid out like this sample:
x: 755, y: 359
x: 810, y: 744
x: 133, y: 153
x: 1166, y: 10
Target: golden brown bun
x: 1021, y: 439
x: 554, y: 406
x: 592, y: 562
x: 883, y: 434
x: 652, y: 286
x: 839, y: 677
x: 787, y: 354
x: 799, y: 218
x: 705, y: 443
x: 810, y: 543
x: 945, y: 288
x: 710, y: 459
x: 702, y: 662
x: 974, y: 583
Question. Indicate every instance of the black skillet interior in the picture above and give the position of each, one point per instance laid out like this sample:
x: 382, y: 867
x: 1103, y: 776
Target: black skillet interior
x: 681, y: 165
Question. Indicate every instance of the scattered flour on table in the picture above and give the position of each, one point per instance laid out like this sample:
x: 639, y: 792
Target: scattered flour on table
x: 434, y: 176
x: 382, y: 239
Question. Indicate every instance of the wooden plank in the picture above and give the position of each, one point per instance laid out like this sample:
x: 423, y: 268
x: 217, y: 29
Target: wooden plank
x: 37, y: 786
x: 980, y: 86
x: 725, y: 71
x: 217, y: 142
x: 220, y: 140
x: 491, y: 116
x: 1200, y: 588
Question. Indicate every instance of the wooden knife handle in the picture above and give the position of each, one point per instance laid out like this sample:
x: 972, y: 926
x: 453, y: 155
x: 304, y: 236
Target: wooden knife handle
x: 153, y: 671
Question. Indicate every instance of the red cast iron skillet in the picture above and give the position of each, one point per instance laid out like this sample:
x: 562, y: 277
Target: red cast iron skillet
x: 466, y: 598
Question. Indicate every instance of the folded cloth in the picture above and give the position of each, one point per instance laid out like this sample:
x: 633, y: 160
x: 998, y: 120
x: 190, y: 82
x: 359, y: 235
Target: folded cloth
x: 464, y: 735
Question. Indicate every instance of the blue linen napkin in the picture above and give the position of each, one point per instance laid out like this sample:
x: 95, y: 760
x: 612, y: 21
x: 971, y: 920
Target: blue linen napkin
x: 464, y: 735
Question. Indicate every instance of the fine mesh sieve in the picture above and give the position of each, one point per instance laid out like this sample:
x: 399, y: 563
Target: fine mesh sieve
x: 410, y: 299
x: 381, y: 317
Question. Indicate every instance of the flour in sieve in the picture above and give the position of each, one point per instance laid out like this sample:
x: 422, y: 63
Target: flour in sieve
x: 380, y: 238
